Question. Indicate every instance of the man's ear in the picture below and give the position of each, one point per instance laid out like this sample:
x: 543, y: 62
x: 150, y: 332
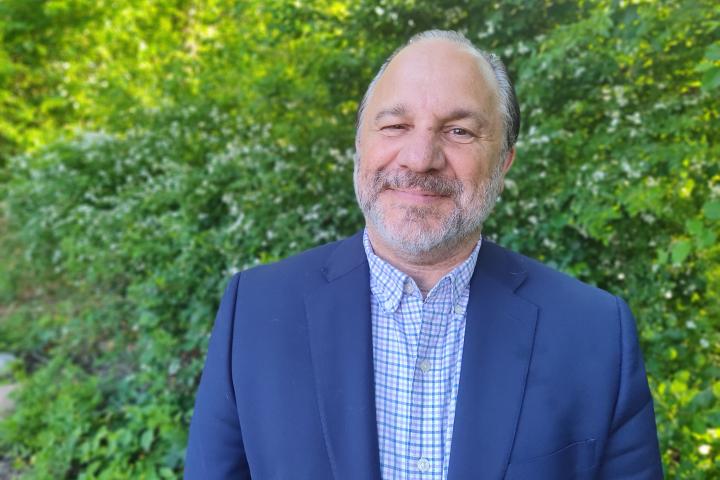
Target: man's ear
x: 508, y: 160
x: 507, y: 163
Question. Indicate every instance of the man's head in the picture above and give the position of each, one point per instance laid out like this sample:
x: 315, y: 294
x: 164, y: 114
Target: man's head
x: 436, y: 134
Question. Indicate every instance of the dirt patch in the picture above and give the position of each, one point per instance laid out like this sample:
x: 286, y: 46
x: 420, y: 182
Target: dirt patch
x: 6, y: 405
x: 6, y: 472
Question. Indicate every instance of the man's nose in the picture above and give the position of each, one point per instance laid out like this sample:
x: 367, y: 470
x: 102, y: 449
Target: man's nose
x: 422, y: 152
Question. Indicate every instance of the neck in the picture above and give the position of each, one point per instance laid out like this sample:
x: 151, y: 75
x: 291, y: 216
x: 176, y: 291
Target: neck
x: 426, y: 269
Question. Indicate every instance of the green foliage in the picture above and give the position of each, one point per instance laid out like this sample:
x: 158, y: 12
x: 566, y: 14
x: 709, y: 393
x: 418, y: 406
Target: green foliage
x: 151, y: 148
x: 144, y: 230
x: 74, y: 397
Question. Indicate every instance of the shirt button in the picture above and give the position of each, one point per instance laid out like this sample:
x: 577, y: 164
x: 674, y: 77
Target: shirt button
x: 458, y: 309
x: 408, y: 288
x: 425, y: 365
x: 423, y: 465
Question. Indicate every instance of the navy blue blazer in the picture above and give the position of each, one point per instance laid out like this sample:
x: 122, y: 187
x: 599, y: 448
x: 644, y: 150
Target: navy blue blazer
x: 552, y: 384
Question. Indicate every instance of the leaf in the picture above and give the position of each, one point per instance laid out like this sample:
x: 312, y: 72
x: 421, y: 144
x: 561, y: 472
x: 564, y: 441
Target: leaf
x: 711, y: 210
x: 706, y: 239
x: 146, y: 440
x: 166, y: 472
x: 713, y: 52
x: 702, y: 236
x: 716, y: 389
x: 680, y: 251
x: 694, y: 227
x: 711, y: 79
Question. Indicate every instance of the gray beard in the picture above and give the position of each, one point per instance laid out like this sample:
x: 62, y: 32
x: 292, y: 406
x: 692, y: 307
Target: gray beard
x: 416, y: 238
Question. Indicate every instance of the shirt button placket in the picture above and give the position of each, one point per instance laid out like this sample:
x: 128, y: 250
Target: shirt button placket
x: 415, y: 443
x: 425, y: 365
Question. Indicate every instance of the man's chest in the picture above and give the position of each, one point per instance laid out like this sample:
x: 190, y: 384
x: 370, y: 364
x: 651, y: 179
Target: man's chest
x: 417, y: 350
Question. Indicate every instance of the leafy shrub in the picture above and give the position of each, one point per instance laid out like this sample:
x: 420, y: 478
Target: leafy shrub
x: 144, y: 230
x: 121, y: 227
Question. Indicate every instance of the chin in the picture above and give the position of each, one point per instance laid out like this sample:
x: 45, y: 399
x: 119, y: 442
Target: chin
x: 417, y: 238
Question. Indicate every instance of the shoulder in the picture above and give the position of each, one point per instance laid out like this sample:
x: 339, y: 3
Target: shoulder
x: 572, y: 315
x: 304, y: 271
x: 298, y: 264
x: 545, y: 285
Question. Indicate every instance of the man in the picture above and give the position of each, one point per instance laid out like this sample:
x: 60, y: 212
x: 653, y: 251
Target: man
x: 416, y: 349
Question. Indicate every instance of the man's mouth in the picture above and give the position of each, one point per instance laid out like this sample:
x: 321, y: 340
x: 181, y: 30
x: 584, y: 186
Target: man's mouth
x: 414, y: 187
x: 415, y: 195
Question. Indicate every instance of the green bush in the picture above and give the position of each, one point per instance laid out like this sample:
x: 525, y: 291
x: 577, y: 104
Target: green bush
x: 143, y: 231
x: 194, y: 142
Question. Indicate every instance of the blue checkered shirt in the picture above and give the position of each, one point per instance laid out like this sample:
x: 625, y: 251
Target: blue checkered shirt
x: 417, y: 352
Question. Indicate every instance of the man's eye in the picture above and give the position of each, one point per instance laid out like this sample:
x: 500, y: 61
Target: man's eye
x: 459, y: 134
x: 394, y: 129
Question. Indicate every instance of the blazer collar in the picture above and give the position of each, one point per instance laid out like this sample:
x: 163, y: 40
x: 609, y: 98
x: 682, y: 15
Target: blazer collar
x: 340, y: 333
x: 499, y: 337
x: 347, y: 256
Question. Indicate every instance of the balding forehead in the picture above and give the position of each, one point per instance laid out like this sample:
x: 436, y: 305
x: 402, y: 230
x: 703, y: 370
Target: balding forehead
x: 472, y: 56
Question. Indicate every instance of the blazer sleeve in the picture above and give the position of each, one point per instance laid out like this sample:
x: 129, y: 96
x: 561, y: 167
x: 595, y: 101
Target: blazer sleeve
x: 632, y: 448
x: 215, y: 447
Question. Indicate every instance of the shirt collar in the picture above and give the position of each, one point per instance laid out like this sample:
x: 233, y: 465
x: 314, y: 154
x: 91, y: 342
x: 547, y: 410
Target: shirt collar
x: 388, y: 284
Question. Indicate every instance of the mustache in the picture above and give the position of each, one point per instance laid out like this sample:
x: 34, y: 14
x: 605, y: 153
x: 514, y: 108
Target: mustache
x: 433, y: 184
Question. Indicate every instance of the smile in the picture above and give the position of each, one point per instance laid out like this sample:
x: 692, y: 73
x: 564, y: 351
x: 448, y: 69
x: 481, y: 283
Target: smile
x: 416, y: 196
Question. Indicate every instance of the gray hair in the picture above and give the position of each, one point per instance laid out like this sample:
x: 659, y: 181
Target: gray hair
x: 509, y: 107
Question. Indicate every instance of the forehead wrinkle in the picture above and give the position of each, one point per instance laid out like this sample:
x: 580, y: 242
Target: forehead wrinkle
x: 396, y: 110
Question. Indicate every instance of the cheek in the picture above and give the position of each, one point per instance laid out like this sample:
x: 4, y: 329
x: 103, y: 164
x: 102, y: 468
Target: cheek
x: 474, y: 170
x: 377, y: 153
x: 363, y: 176
x: 472, y: 182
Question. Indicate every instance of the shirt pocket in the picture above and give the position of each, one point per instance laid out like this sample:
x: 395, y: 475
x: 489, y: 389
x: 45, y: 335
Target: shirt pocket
x: 570, y: 462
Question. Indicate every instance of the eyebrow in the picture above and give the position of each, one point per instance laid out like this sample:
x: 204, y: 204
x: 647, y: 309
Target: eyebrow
x: 400, y: 110
x: 394, y: 111
x: 462, y: 113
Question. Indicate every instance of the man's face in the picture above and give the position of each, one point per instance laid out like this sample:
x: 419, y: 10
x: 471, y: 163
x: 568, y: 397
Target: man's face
x: 429, y: 165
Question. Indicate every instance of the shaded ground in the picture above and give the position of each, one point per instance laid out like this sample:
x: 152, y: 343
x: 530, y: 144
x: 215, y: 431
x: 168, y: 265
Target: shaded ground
x: 6, y: 473
x: 6, y: 405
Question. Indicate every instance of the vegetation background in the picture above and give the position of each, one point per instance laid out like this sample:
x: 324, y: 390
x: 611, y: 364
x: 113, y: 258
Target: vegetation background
x: 150, y: 148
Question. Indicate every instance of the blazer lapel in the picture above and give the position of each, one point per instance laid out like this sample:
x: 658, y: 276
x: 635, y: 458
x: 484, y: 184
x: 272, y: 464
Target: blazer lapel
x: 340, y: 332
x: 499, y: 335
